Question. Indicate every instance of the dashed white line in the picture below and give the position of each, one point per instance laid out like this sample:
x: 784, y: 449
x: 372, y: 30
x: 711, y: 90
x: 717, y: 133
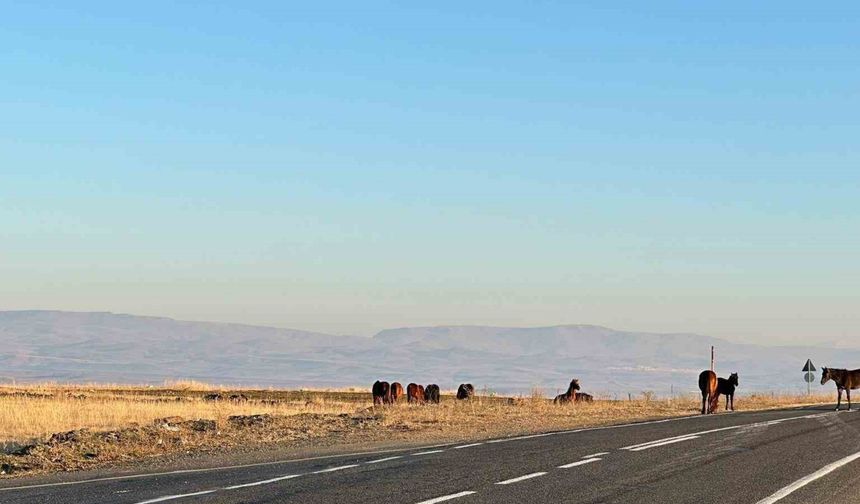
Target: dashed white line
x: 333, y: 469
x: 431, y: 452
x: 386, y: 459
x: 802, y: 482
x: 466, y: 446
x: 578, y: 463
x: 521, y: 478
x: 664, y: 443
x: 264, y: 482
x: 446, y: 498
x: 593, y: 455
x: 178, y: 496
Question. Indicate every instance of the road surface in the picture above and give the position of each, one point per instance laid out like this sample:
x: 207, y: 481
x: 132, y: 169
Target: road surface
x: 788, y: 456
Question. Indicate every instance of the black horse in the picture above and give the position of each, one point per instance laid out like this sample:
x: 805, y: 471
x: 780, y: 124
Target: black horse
x: 844, y: 379
x: 727, y: 388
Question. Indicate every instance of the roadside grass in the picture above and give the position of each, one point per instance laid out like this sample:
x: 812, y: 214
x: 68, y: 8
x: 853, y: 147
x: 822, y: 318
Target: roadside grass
x: 112, y: 423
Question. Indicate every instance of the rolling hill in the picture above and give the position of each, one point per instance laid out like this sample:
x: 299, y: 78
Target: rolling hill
x: 107, y: 347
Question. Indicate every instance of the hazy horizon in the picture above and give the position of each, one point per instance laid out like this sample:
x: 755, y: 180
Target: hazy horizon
x: 346, y: 169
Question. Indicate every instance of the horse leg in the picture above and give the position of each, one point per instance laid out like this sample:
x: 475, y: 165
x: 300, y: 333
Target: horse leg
x: 838, y: 398
x: 848, y: 395
x: 704, y: 398
x: 733, y: 402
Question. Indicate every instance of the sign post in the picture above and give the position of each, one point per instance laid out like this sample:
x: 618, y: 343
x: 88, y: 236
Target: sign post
x: 809, y: 375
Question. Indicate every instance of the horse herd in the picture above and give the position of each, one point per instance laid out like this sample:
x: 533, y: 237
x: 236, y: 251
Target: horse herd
x: 392, y: 393
x: 712, y: 387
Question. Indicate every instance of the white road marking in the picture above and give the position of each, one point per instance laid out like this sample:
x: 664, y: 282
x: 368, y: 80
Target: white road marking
x: 178, y: 496
x: 802, y: 482
x: 521, y: 478
x: 664, y: 443
x: 431, y: 452
x: 377, y: 452
x: 578, y: 463
x: 333, y: 469
x: 446, y: 498
x: 593, y: 455
x: 377, y: 461
x: 466, y: 446
x: 264, y: 482
x: 722, y: 429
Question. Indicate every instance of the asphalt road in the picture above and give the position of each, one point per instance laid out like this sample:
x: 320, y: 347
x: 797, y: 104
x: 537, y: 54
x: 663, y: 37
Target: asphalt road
x: 787, y: 456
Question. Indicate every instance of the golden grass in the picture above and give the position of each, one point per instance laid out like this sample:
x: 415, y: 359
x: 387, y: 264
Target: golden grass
x: 31, y: 414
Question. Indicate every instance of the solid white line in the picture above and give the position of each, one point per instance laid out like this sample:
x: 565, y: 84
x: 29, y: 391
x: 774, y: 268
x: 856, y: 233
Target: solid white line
x: 179, y: 496
x: 264, y: 482
x: 593, y: 455
x: 466, y: 446
x: 664, y: 443
x: 427, y: 453
x: 802, y: 482
x: 521, y: 478
x: 446, y: 498
x: 333, y: 469
x: 722, y: 429
x: 578, y: 463
x: 377, y: 461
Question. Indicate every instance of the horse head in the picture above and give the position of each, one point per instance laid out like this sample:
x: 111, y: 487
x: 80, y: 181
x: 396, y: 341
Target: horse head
x: 825, y: 375
x: 574, y: 385
x: 733, y: 379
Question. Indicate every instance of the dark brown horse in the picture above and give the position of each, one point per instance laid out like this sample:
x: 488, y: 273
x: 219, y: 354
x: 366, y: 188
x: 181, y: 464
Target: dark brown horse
x: 396, y: 392
x: 570, y: 395
x: 465, y: 391
x: 727, y: 388
x: 381, y: 392
x: 432, y: 394
x: 708, y: 386
x: 583, y: 397
x: 844, y: 379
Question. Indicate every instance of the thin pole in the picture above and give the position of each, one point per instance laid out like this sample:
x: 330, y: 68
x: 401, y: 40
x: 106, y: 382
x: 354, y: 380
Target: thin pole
x: 712, y: 357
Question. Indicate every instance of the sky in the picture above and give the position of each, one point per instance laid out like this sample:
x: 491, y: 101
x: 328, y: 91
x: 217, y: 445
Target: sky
x: 349, y: 167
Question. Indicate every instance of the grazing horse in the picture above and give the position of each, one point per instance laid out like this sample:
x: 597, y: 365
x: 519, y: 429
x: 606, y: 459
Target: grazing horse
x: 465, y: 391
x: 727, y: 387
x: 432, y: 393
x: 570, y: 395
x: 381, y: 392
x: 844, y: 379
x: 708, y: 386
x: 415, y: 393
x: 396, y: 392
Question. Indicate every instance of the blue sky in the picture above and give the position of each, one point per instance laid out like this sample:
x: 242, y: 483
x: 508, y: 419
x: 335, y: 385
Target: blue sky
x: 350, y: 167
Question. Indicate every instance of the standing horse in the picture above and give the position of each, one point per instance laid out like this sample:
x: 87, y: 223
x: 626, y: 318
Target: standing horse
x: 727, y: 387
x: 396, y: 392
x: 570, y: 395
x: 844, y: 379
x: 708, y: 386
x: 381, y: 392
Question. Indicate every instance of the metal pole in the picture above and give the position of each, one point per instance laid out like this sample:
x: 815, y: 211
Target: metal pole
x: 712, y: 357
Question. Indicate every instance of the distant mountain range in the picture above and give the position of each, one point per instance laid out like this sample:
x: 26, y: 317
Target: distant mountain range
x: 107, y: 347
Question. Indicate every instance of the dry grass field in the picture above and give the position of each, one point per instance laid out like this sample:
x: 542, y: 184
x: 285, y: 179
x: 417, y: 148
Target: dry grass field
x: 53, y: 427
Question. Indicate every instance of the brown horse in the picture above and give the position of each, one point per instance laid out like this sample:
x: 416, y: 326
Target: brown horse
x: 708, y: 386
x: 415, y: 393
x: 570, y: 395
x: 844, y: 379
x: 583, y: 397
x: 727, y: 388
x: 396, y: 392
